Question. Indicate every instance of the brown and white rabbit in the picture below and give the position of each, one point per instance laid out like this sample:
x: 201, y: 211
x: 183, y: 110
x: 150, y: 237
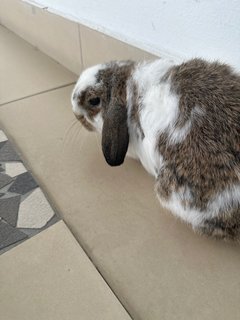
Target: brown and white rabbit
x: 182, y: 122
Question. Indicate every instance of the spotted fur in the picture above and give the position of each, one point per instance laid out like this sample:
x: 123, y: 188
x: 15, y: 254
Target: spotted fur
x: 183, y: 123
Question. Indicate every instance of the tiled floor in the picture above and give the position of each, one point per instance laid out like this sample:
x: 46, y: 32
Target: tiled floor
x: 24, y: 71
x: 156, y: 266
x: 48, y: 276
x: 24, y: 210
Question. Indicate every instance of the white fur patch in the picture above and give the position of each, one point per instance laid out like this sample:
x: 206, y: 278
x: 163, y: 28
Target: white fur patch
x: 225, y: 200
x: 97, y: 122
x: 86, y: 79
x: 158, y: 109
x: 75, y: 108
x: 177, y: 135
x: 175, y: 205
x: 222, y: 202
x: 159, y: 106
x: 151, y: 160
x: 148, y: 74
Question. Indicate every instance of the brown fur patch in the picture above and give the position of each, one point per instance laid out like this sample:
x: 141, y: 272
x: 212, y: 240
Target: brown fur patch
x: 116, y: 78
x: 225, y: 227
x: 85, y: 123
x: 134, y: 116
x: 110, y: 87
x: 208, y: 160
x: 83, y: 101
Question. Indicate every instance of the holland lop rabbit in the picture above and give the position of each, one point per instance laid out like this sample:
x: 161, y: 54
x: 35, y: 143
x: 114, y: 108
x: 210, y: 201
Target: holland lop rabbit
x: 182, y: 122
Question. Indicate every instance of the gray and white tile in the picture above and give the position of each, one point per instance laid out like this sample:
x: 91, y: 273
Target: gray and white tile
x: 8, y: 153
x: 2, y: 136
x: 9, y: 208
x: 9, y: 235
x: 37, y: 202
x: 24, y: 210
x: 23, y: 184
x: 14, y: 169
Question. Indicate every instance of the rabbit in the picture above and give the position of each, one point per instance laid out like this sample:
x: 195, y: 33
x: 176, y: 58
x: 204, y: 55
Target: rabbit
x: 182, y: 122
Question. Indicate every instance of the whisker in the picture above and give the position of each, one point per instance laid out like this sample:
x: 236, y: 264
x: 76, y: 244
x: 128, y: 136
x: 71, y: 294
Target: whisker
x: 98, y: 142
x: 69, y: 135
x: 76, y: 134
x: 69, y: 128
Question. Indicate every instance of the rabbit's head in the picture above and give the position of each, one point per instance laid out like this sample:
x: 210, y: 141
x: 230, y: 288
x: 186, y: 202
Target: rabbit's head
x: 99, y: 103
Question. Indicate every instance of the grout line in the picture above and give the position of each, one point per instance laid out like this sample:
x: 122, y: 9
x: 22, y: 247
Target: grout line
x: 80, y: 44
x: 97, y: 268
x: 58, y: 212
x: 38, y: 93
x: 30, y: 170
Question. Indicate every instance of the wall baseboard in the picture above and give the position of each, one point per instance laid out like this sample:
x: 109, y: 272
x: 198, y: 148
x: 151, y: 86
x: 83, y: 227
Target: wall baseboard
x: 73, y: 45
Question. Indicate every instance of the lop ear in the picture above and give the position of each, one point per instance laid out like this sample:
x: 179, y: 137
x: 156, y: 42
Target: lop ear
x: 115, y: 137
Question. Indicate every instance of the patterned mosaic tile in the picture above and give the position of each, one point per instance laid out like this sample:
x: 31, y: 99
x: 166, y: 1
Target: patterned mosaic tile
x: 4, y: 180
x: 8, y: 153
x: 9, y: 235
x: 2, y: 136
x: 14, y: 169
x: 23, y: 184
x: 25, y: 217
x: 9, y: 209
x: 24, y: 210
x: 2, y: 143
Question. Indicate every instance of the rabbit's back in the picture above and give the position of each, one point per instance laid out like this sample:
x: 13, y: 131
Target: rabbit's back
x: 201, y: 174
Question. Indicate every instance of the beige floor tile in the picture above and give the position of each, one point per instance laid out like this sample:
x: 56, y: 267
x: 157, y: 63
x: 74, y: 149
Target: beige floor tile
x: 155, y: 264
x: 50, y: 277
x: 107, y: 48
x: 29, y: 71
x: 62, y: 40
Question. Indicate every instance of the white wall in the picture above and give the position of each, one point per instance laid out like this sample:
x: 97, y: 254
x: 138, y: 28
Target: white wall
x: 180, y: 28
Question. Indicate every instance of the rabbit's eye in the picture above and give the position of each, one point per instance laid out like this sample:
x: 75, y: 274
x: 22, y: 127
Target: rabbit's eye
x: 94, y: 101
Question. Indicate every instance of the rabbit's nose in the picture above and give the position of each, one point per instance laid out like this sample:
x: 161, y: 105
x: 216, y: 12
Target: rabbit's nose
x: 75, y: 96
x: 78, y: 116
